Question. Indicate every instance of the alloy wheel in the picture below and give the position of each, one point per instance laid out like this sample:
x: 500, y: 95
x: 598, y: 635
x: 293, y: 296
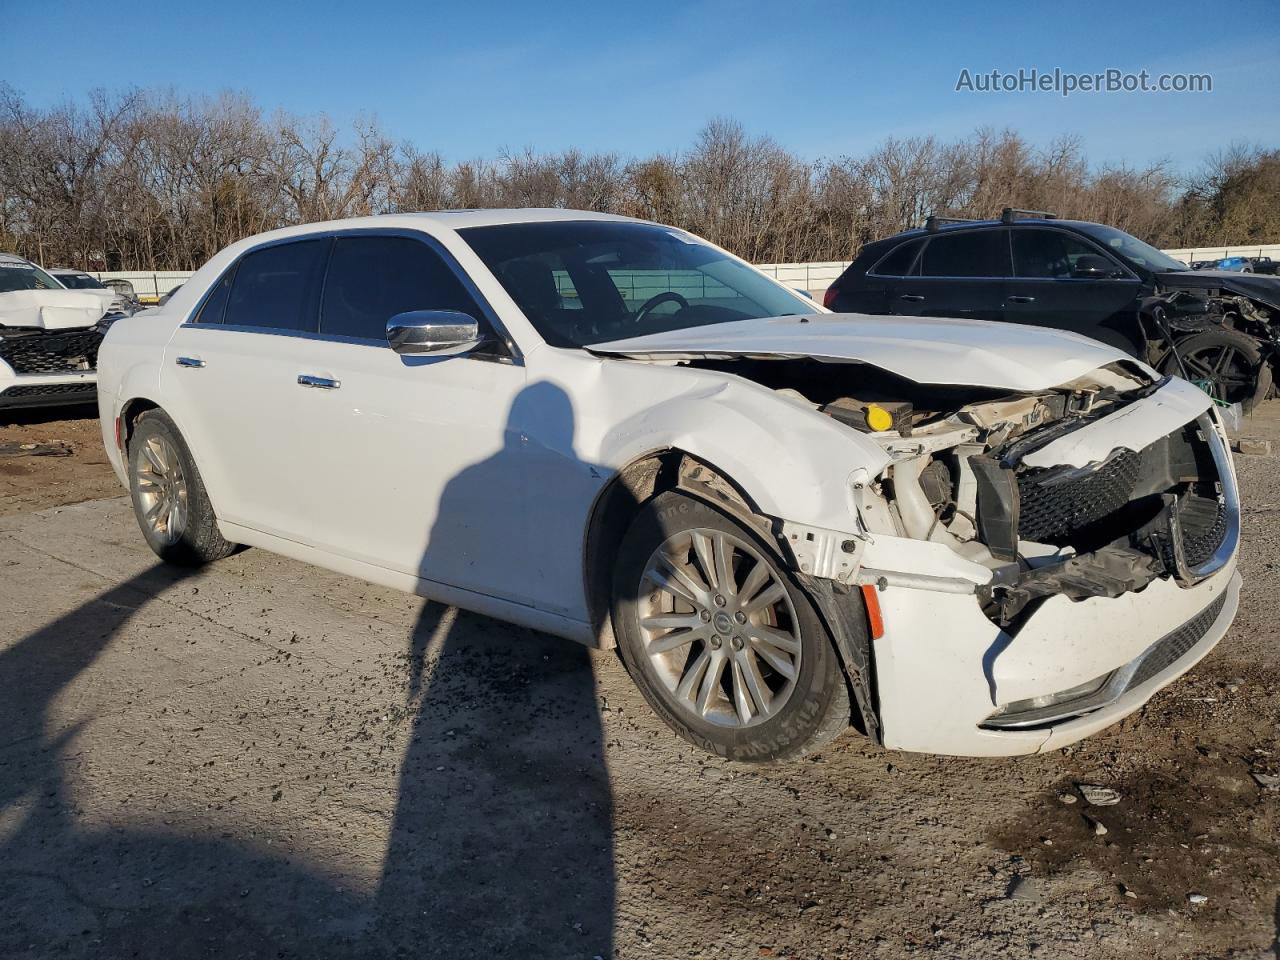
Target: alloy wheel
x: 719, y: 628
x: 162, y: 489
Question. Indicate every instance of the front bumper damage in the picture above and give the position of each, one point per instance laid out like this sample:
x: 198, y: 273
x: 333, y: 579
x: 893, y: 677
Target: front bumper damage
x: 1121, y: 537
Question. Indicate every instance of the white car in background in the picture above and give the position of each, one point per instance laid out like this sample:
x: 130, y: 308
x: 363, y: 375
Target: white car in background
x: 959, y: 537
x: 115, y: 303
x: 49, y: 337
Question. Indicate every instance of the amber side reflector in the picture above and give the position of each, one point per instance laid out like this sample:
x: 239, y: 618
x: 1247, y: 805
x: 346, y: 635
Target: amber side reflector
x: 874, y: 618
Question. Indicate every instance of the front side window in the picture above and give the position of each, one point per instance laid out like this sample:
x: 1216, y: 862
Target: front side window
x: 591, y: 281
x: 1130, y: 248
x: 371, y: 279
x: 982, y: 253
x: 278, y: 287
x: 1048, y: 253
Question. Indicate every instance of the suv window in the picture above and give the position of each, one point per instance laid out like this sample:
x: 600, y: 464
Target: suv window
x: 981, y: 253
x: 371, y: 279
x: 278, y: 287
x: 1048, y: 253
x: 898, y: 262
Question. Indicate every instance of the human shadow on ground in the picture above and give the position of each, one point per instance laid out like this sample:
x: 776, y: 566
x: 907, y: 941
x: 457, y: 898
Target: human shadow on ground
x: 500, y: 844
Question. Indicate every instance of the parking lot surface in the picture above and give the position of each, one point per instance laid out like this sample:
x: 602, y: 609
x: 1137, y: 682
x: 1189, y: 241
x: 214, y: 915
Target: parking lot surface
x: 264, y: 759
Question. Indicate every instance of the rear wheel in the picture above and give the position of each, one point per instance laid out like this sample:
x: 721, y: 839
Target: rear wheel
x: 1226, y: 364
x: 169, y: 498
x: 724, y: 645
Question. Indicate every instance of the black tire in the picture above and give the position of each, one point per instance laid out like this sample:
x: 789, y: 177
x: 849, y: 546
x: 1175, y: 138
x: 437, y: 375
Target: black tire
x: 1247, y: 378
x: 195, y: 538
x: 816, y: 709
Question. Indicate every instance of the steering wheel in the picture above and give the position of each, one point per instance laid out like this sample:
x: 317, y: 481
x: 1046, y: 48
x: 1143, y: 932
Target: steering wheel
x: 658, y: 300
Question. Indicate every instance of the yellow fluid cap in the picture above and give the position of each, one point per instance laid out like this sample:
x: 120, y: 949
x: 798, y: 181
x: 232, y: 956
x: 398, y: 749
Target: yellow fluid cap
x: 878, y: 418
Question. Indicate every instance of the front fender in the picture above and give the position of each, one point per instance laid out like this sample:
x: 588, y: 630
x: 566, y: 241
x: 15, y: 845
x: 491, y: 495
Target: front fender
x: 792, y: 462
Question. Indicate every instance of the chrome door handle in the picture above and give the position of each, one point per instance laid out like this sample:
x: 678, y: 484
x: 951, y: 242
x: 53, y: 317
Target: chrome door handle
x: 319, y: 383
x: 1022, y: 299
x: 912, y: 298
x: 194, y: 362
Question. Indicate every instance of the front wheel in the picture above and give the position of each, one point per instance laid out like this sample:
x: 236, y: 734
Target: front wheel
x: 169, y: 498
x: 1226, y: 364
x: 722, y: 642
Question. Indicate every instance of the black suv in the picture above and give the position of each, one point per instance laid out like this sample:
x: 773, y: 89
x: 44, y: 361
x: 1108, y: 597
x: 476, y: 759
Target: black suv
x: 1213, y: 327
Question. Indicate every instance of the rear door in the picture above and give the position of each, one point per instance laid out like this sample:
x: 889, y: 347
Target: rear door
x: 958, y: 274
x: 1043, y: 290
x: 229, y: 379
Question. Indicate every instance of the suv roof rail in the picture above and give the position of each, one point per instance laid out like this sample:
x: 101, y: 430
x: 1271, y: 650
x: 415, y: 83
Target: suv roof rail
x: 1010, y: 214
x: 934, y: 223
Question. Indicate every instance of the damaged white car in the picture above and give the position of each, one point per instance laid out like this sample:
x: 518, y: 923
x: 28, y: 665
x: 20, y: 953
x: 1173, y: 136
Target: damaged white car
x: 959, y: 537
x: 49, y: 337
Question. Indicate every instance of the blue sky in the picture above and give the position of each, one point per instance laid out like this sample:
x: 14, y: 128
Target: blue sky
x: 823, y: 78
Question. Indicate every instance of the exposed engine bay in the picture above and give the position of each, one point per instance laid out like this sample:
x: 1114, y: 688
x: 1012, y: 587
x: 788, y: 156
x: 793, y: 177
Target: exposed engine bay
x: 1010, y: 481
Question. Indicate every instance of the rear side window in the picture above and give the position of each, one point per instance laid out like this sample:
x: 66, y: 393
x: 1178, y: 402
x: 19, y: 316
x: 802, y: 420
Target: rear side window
x: 371, y: 279
x: 983, y: 253
x: 898, y: 262
x: 278, y: 287
x: 1048, y: 253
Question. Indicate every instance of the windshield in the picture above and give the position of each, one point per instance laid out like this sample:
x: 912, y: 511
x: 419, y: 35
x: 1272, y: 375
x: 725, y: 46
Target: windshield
x: 16, y: 275
x: 589, y: 281
x: 1132, y: 249
x: 79, y: 281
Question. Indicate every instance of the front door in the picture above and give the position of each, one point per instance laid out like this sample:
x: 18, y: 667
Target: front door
x: 1043, y: 290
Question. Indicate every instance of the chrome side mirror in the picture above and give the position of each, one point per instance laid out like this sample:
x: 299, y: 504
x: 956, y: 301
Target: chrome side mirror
x: 441, y: 332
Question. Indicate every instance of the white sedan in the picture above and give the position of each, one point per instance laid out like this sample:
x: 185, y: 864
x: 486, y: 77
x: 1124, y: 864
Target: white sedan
x: 954, y: 536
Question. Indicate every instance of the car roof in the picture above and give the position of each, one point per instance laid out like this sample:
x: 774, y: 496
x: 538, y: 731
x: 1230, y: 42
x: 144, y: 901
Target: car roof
x: 983, y: 224
x: 13, y: 258
x: 446, y: 219
x: 67, y: 272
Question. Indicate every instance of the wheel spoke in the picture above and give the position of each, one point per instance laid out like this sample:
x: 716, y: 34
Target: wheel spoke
x: 678, y: 638
x: 760, y: 694
x: 154, y: 511
x: 693, y: 675
x: 724, y: 565
x: 756, y: 579
x: 767, y: 598
x: 741, y: 697
x: 671, y: 621
x: 677, y: 581
x: 773, y: 656
x: 704, y: 549
x: 153, y: 458
x: 774, y: 638
x: 711, y: 681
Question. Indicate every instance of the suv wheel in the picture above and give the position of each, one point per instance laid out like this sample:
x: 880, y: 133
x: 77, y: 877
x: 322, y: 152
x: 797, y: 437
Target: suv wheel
x: 1226, y: 363
x: 722, y: 642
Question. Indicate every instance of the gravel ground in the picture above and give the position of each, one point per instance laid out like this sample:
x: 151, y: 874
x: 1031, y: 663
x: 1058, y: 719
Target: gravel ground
x: 263, y: 759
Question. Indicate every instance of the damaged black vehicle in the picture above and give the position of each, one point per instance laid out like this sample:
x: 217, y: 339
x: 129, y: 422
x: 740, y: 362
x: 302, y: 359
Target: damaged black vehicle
x: 1214, y: 328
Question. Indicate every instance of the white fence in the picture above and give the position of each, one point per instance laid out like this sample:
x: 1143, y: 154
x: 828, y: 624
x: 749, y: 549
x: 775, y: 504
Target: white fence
x: 813, y: 277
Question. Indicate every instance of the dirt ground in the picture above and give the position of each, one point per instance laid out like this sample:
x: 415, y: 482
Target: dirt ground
x: 266, y: 760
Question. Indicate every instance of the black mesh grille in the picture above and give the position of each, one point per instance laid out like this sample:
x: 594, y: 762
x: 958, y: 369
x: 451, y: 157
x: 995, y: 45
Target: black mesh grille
x: 51, y: 352
x: 1173, y: 647
x: 1053, y: 503
x: 48, y: 390
x: 1204, y: 525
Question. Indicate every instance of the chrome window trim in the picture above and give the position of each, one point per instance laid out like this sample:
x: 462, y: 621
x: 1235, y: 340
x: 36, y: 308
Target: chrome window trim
x: 489, y: 315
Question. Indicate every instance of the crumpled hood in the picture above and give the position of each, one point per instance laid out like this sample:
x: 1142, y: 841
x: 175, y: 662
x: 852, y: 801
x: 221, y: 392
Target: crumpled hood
x: 1255, y: 286
x: 1003, y: 356
x: 51, y: 309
